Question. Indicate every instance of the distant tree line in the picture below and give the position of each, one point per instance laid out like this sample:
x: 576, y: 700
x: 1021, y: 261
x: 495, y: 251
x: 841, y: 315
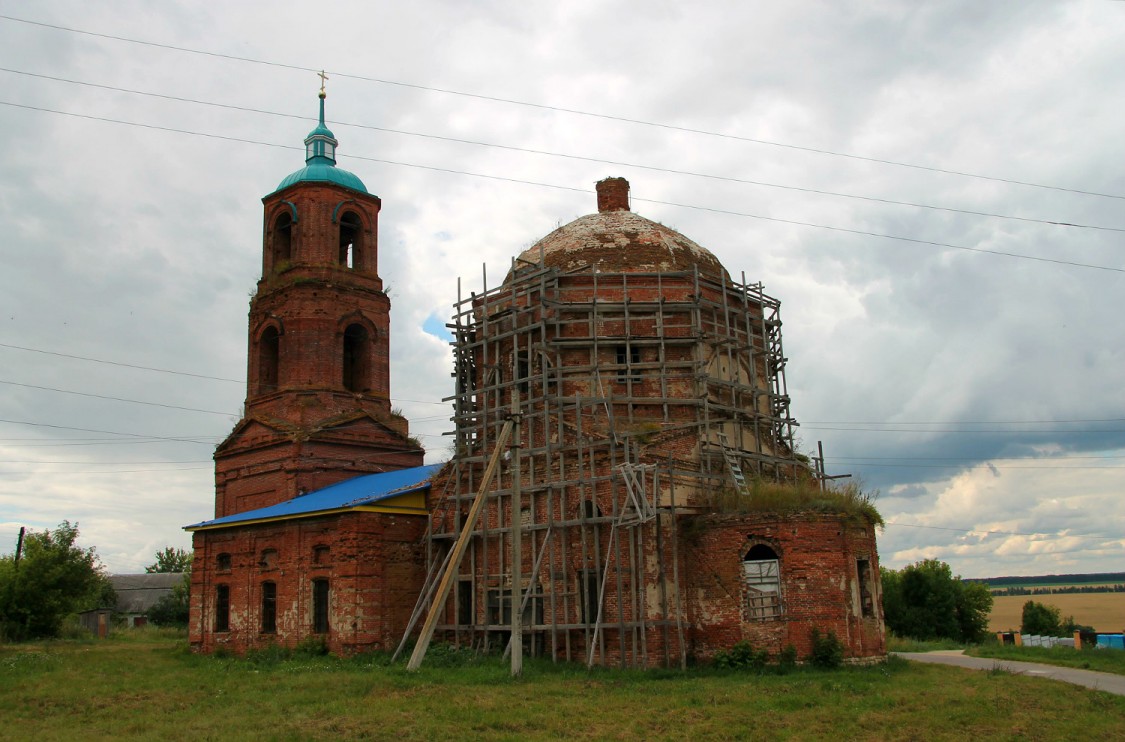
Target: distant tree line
x: 1102, y: 578
x: 1064, y: 590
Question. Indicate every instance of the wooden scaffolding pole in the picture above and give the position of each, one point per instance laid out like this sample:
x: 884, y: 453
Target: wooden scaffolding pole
x: 458, y: 552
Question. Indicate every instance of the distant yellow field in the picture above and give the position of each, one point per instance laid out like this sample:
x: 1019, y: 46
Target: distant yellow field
x: 1104, y: 611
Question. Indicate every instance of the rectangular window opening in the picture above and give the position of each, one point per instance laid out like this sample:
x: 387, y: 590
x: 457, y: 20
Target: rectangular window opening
x: 269, y: 608
x: 320, y: 606
x: 588, y: 594
x: 222, y: 608
x: 866, y: 589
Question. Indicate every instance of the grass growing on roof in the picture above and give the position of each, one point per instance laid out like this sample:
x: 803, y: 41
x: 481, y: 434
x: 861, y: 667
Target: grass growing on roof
x: 849, y: 500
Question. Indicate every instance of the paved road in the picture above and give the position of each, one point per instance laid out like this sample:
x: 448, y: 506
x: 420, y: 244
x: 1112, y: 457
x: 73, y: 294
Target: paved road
x: 1106, y: 681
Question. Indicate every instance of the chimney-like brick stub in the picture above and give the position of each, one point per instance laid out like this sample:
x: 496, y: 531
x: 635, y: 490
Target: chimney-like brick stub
x: 613, y: 194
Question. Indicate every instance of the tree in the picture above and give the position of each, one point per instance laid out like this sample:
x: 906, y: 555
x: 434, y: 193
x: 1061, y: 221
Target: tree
x: 171, y: 560
x: 54, y: 579
x: 172, y: 609
x: 974, y: 605
x: 925, y: 601
x: 1041, y: 619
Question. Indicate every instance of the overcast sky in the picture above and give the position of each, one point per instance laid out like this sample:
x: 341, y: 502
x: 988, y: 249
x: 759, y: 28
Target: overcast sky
x: 934, y: 191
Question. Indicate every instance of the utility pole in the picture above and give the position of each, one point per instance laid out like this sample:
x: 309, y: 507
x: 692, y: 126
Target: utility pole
x: 517, y: 540
x: 19, y: 547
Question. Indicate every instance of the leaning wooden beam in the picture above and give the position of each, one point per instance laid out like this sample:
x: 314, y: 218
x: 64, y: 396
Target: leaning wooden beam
x: 458, y: 552
x: 423, y: 599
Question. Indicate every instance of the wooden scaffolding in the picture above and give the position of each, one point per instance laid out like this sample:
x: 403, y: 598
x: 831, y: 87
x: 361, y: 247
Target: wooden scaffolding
x: 640, y: 394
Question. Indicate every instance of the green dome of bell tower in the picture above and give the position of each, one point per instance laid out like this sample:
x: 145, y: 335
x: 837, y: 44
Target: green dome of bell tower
x: 320, y: 159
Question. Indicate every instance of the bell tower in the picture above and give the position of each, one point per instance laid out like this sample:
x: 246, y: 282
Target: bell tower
x: 318, y: 407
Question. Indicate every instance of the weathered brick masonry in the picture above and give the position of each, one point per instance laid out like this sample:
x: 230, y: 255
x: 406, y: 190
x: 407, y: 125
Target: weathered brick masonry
x: 649, y: 382
x: 370, y: 562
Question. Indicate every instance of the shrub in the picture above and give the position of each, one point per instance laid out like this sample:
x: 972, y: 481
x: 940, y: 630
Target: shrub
x: 787, y: 659
x: 1041, y: 619
x: 741, y: 657
x: 827, y: 649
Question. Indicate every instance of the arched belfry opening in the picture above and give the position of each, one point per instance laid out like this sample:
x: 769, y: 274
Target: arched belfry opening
x: 269, y: 360
x: 281, y: 240
x: 357, y: 358
x: 351, y: 241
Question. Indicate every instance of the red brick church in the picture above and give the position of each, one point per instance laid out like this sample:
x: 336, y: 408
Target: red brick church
x: 319, y: 495
x: 649, y: 387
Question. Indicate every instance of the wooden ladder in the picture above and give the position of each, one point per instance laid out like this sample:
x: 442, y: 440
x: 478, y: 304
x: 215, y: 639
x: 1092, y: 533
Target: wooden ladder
x: 732, y: 464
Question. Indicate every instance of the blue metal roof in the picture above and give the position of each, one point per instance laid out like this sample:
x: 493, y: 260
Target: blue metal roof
x: 363, y: 490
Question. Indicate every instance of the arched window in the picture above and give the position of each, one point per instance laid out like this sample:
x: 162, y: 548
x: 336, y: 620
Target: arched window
x: 281, y: 240
x: 351, y: 241
x: 357, y: 367
x: 590, y: 510
x: 761, y: 577
x: 222, y: 562
x: 269, y: 358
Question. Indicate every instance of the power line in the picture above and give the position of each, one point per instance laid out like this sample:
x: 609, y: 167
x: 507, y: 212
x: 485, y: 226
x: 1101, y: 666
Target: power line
x: 561, y: 109
x: 160, y: 370
x: 105, y: 463
x: 1005, y: 533
x: 107, y: 471
x: 847, y: 230
x: 582, y: 158
x: 113, y: 399
x: 208, y: 440
x: 118, y: 363
x: 975, y: 464
x: 976, y: 430
x: 967, y: 422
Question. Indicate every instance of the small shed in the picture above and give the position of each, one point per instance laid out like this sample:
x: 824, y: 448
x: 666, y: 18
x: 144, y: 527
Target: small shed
x: 137, y: 594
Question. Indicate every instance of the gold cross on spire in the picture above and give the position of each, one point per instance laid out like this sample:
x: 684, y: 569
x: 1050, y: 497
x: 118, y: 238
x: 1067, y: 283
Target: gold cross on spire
x: 323, y: 79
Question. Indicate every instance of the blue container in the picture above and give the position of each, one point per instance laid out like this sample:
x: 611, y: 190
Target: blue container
x: 1111, y: 641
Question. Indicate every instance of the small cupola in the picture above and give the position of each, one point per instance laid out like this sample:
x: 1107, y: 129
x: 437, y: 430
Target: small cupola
x: 320, y: 144
x: 320, y: 159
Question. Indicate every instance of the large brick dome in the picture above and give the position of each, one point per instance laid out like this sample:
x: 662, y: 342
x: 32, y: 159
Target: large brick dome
x: 617, y: 240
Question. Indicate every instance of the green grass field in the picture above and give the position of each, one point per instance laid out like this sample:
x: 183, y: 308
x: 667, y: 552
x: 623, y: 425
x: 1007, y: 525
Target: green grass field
x: 148, y: 686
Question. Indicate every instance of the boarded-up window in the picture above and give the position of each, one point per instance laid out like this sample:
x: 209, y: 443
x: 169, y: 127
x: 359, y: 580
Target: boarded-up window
x: 761, y: 580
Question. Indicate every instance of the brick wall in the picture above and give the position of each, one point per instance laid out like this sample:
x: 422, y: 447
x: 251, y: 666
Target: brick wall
x: 820, y: 583
x: 373, y: 563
